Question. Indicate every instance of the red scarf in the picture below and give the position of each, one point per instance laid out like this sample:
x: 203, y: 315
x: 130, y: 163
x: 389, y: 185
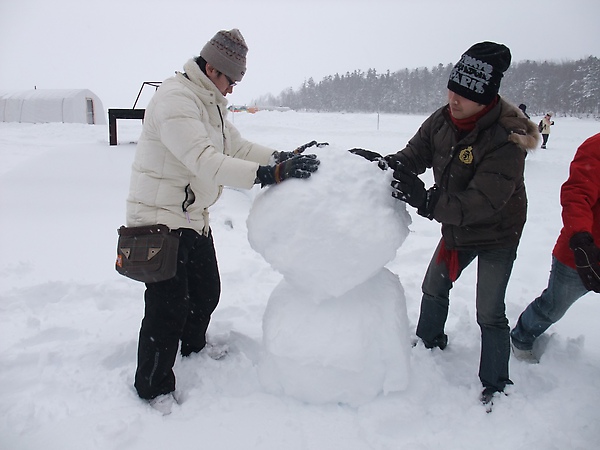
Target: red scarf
x: 450, y: 257
x: 468, y: 124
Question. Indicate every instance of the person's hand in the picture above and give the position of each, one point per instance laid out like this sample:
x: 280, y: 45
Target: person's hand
x: 370, y: 155
x: 408, y: 187
x: 367, y: 154
x: 396, y: 159
x: 299, y: 166
x: 284, y: 156
x: 587, y: 259
x: 309, y: 144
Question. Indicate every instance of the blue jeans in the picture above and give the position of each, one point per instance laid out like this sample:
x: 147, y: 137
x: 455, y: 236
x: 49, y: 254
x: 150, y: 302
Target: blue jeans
x: 493, y: 272
x: 564, y: 288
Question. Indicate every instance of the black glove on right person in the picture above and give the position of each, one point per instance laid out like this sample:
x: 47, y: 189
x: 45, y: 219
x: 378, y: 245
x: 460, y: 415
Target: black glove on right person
x: 587, y: 259
x: 410, y: 189
x: 369, y: 155
x: 299, y: 166
x: 398, y: 159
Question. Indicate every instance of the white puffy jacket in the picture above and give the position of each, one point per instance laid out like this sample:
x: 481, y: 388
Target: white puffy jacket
x: 186, y: 153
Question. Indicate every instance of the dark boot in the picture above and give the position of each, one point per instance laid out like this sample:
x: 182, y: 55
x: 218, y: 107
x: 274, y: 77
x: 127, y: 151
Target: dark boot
x: 440, y: 341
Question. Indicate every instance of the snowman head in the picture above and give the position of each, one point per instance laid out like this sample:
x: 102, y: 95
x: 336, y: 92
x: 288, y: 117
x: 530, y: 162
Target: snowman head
x: 333, y: 231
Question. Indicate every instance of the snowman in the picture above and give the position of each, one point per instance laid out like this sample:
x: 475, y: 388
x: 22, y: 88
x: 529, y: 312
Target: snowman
x: 335, y: 328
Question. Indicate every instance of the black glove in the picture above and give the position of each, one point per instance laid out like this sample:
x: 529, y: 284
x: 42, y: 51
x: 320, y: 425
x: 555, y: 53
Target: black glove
x: 299, y: 166
x: 396, y: 159
x: 284, y: 156
x: 367, y: 154
x: 370, y: 156
x: 410, y: 189
x: 309, y: 144
x: 587, y: 259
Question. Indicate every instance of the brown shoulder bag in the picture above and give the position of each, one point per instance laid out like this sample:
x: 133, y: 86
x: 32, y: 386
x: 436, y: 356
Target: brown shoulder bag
x: 147, y: 254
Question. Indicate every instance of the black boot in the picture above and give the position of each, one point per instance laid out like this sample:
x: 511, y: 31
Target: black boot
x: 486, y: 395
x: 440, y: 341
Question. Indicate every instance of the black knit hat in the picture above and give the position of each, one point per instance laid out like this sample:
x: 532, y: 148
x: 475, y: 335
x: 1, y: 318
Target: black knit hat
x: 478, y: 74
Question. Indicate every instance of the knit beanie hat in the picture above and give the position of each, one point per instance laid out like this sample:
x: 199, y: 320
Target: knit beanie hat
x: 478, y: 74
x: 226, y: 52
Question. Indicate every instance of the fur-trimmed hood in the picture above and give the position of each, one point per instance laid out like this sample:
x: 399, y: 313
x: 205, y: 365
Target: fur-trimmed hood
x: 522, y: 131
x: 482, y: 198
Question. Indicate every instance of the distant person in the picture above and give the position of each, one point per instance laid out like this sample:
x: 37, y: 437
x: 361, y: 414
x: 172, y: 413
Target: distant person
x: 576, y: 257
x: 476, y: 146
x: 544, y: 128
x: 187, y: 152
x: 523, y: 107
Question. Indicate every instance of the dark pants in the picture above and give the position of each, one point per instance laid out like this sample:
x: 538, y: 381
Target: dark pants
x: 493, y: 272
x: 177, y: 309
x: 545, y: 139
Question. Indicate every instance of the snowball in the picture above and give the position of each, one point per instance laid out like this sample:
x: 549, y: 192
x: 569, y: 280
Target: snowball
x: 332, y: 231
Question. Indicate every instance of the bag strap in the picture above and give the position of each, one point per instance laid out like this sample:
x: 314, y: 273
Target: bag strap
x: 148, y: 229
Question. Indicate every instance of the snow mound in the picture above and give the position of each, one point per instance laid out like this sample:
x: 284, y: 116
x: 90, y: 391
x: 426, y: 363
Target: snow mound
x: 347, y: 349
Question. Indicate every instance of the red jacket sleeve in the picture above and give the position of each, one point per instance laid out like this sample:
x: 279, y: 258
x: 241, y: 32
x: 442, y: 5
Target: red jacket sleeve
x: 580, y: 199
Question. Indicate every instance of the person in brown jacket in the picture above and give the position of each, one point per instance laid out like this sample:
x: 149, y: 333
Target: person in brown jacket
x: 476, y: 146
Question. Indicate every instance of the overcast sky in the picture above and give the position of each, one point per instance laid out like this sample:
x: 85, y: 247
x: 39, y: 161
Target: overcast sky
x: 112, y: 46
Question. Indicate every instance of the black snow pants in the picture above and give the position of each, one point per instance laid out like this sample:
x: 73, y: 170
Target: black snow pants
x: 177, y: 309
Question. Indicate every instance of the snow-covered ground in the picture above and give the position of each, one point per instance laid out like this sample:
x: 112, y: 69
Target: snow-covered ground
x: 69, y: 322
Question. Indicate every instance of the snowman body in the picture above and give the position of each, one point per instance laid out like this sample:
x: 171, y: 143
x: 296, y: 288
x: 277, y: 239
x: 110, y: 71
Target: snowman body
x: 335, y: 329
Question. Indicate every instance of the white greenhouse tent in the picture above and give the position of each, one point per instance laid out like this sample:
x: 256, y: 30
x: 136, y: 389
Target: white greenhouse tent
x: 51, y: 105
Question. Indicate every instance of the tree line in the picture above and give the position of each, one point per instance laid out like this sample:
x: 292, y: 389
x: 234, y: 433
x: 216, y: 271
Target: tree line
x: 567, y: 88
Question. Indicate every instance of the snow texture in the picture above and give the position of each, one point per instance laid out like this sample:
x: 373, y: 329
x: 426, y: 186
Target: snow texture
x: 69, y: 322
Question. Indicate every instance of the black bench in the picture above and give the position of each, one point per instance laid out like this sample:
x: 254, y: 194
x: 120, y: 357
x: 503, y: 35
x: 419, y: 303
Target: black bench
x: 114, y: 114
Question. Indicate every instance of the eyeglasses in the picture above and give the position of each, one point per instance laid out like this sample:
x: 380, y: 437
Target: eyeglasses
x: 231, y: 82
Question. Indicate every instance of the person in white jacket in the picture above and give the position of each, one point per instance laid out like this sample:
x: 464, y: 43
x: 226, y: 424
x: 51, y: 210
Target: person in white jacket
x: 186, y: 153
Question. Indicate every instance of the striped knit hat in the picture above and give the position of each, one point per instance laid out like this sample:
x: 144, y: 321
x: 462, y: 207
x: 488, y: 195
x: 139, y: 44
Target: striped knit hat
x: 226, y: 52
